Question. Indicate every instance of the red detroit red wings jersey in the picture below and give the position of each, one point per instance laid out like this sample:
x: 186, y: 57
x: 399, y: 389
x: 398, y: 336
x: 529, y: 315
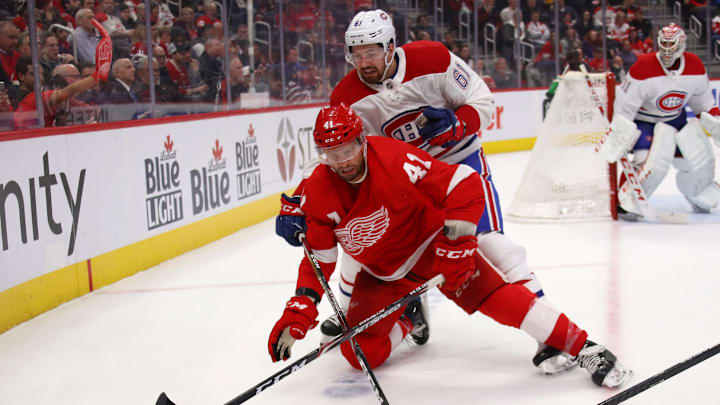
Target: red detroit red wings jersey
x: 427, y: 75
x: 386, y: 223
x: 652, y: 93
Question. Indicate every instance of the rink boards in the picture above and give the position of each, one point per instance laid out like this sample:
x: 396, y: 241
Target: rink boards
x: 81, y: 208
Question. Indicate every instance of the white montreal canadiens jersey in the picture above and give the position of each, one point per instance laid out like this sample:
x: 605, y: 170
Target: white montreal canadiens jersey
x: 652, y: 93
x: 428, y: 75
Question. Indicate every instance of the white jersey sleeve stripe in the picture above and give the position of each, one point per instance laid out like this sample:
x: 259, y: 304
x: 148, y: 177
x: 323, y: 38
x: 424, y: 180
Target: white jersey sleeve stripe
x: 326, y: 255
x: 461, y: 173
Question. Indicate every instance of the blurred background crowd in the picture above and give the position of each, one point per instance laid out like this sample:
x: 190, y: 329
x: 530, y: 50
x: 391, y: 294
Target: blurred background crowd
x: 205, y: 58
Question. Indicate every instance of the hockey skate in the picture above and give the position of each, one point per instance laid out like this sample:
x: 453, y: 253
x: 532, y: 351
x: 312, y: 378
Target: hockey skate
x: 330, y: 328
x: 416, y: 312
x: 603, y: 366
x: 553, y: 361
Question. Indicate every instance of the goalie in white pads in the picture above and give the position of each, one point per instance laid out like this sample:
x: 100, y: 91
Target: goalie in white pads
x: 650, y: 121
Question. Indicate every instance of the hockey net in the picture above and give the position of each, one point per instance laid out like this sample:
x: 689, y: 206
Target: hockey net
x: 565, y: 179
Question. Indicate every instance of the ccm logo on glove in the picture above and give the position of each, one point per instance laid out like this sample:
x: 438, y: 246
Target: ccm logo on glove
x: 455, y: 254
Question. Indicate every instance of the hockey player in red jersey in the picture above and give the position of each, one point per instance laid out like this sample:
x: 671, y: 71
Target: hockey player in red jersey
x: 391, y: 89
x: 650, y: 121
x: 406, y: 217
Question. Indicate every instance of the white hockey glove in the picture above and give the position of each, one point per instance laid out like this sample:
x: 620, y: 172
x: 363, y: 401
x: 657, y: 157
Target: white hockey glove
x: 620, y: 139
x: 711, y: 124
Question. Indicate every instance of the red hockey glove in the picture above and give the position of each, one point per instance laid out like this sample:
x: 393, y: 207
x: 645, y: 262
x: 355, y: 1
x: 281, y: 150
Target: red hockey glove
x: 299, y: 316
x: 440, y: 127
x: 291, y: 220
x: 455, y: 259
x: 103, y: 53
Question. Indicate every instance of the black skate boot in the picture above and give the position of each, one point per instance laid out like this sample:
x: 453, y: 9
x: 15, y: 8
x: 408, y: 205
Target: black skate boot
x: 602, y: 365
x: 416, y: 312
x: 553, y: 361
x: 330, y: 328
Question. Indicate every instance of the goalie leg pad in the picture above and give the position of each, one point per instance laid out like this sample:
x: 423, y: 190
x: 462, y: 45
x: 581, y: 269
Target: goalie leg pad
x: 622, y: 136
x: 696, y: 169
x: 659, y: 158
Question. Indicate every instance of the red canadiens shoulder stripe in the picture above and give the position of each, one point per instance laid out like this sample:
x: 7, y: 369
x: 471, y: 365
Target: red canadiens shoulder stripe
x: 693, y: 65
x: 350, y: 90
x: 647, y: 66
x: 425, y: 57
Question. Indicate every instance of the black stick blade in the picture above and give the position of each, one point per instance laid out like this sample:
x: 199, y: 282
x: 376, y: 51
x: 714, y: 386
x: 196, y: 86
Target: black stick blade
x: 164, y: 400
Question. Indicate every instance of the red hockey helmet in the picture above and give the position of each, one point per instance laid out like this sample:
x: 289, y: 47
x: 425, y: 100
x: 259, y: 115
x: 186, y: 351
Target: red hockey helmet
x: 338, y: 133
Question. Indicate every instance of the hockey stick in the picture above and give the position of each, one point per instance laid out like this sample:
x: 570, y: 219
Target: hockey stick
x: 640, y: 200
x: 661, y: 376
x: 382, y: 399
x: 327, y: 346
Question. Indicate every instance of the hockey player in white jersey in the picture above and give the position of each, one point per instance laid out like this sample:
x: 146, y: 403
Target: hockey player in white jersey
x: 422, y: 94
x: 650, y: 121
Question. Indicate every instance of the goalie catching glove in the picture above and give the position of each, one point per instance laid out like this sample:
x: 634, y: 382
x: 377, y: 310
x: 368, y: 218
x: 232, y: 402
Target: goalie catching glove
x: 299, y: 316
x: 456, y: 260
x: 440, y: 127
x: 103, y: 53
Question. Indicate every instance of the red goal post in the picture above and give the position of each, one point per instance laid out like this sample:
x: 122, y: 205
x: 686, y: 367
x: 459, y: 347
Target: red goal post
x: 565, y: 179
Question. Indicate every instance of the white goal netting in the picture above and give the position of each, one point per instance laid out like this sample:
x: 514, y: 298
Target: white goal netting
x: 565, y: 179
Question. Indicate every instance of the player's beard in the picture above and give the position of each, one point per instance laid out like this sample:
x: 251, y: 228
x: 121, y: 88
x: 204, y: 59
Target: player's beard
x: 370, y: 74
x: 351, y: 173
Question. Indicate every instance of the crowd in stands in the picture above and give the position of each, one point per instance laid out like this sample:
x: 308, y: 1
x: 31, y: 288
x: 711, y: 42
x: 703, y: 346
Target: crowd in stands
x: 293, y: 61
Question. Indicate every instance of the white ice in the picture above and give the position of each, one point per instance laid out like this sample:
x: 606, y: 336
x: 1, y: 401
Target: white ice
x: 196, y: 326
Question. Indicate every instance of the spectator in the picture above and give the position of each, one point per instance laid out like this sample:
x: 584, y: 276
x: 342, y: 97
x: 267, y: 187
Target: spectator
x: 584, y: 24
x: 570, y: 41
x: 488, y: 14
x: 141, y: 87
x: 619, y: 30
x: 534, y: 5
x: 450, y: 42
x: 564, y: 9
x: 94, y: 96
x: 209, y: 19
x: 609, y: 15
x: 545, y: 62
x: 238, y: 84
x: 119, y: 88
x: 211, y: 70
x: 165, y: 16
x: 85, y: 38
x: 89, y: 4
x: 597, y: 63
x: 618, y: 69
x: 50, y: 56
x: 62, y: 36
x: 503, y: 77
x: 26, y: 81
x: 422, y: 23
x: 630, y: 10
x: 480, y: 70
x: 124, y: 14
x: 627, y: 55
x: 113, y: 25
x: 9, y: 55
x: 639, y: 46
x: 642, y: 24
x: 24, y: 45
x: 423, y: 36
x: 55, y: 100
x: 73, y: 111
x: 464, y: 54
x: 177, y: 67
x: 592, y: 41
x: 67, y: 11
x: 513, y: 28
x: 537, y: 32
x: 184, y: 25
x: 47, y: 14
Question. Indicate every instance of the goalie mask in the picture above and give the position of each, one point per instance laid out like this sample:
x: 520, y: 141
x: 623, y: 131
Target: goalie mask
x: 371, y: 27
x: 339, y: 135
x: 671, y: 44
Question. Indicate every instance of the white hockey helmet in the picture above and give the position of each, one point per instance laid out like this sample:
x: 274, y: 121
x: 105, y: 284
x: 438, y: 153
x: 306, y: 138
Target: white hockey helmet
x: 370, y: 27
x: 671, y: 44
